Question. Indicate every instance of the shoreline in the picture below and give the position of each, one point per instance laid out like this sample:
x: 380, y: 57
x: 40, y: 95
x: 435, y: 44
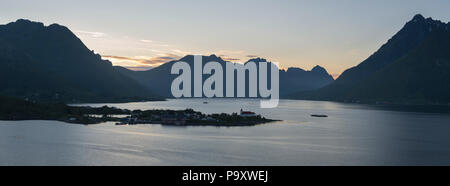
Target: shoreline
x: 208, y: 124
x: 167, y: 125
x: 371, y: 103
x: 159, y: 123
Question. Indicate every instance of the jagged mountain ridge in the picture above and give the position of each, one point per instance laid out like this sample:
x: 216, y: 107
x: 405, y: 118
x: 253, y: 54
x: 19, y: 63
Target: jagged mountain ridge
x: 159, y: 79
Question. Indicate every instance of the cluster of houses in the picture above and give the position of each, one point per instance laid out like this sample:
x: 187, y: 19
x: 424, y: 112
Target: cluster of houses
x: 247, y: 113
x: 177, y: 118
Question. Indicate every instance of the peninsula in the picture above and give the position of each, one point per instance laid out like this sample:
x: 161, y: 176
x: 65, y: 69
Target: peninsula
x: 18, y: 109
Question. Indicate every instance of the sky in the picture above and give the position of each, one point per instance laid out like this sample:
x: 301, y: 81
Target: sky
x: 138, y: 34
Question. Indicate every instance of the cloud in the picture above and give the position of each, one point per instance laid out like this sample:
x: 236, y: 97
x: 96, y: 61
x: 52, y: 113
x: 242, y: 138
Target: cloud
x: 143, y: 60
x: 230, y: 52
x: 230, y: 59
x: 251, y: 56
x: 227, y: 58
x: 91, y: 34
x: 139, y: 68
x: 181, y: 52
x: 146, y: 41
x: 155, y: 51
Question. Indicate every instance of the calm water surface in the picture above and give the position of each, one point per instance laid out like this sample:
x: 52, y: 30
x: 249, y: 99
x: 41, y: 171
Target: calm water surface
x: 351, y: 135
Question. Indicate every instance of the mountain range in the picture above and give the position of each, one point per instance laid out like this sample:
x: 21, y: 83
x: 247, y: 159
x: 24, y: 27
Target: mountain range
x: 50, y: 64
x: 159, y: 79
x: 413, y: 67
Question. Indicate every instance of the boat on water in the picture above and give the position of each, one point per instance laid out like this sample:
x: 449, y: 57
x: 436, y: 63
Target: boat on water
x: 319, y: 116
x: 205, y: 102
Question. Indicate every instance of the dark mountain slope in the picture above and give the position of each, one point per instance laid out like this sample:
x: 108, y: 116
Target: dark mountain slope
x: 423, y: 76
x: 400, y: 71
x: 296, y: 79
x: 49, y: 63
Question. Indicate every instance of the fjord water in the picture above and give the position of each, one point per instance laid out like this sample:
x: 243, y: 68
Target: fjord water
x: 351, y: 135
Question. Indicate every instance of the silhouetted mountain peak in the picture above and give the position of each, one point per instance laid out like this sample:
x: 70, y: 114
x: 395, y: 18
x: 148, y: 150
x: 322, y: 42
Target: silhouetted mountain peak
x: 58, y: 27
x: 404, y: 41
x: 430, y: 23
x: 257, y: 60
x: 186, y: 58
x: 213, y: 57
x: 295, y: 70
x: 24, y: 28
x: 319, y: 69
x: 22, y: 25
x: 27, y: 26
x: 418, y: 17
x: 26, y: 22
x: 391, y: 73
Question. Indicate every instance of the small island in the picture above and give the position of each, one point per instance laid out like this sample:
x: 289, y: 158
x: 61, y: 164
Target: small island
x: 189, y: 117
x: 14, y: 109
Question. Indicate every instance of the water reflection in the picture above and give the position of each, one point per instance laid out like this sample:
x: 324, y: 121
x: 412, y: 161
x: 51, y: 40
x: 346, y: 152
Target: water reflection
x: 351, y: 135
